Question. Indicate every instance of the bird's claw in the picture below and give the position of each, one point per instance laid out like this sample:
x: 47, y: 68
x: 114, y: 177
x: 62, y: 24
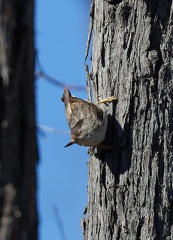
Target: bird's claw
x: 108, y: 100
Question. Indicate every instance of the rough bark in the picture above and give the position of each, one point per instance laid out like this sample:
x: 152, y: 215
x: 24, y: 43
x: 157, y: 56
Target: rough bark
x: 18, y: 148
x: 130, y: 192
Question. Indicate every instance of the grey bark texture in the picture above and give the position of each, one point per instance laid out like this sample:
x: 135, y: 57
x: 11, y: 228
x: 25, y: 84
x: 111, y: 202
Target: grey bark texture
x: 18, y: 147
x: 130, y: 189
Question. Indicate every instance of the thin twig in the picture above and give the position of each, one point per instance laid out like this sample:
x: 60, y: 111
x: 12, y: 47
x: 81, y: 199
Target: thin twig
x: 90, y: 29
x: 41, y: 74
x: 88, y: 78
x: 88, y: 82
x: 59, y: 222
x: 52, y: 130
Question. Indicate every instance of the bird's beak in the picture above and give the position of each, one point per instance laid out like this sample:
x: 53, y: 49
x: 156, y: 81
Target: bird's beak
x: 69, y: 144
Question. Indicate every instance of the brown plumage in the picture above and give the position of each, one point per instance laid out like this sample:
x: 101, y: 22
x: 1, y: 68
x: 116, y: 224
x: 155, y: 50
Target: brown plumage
x: 88, y: 123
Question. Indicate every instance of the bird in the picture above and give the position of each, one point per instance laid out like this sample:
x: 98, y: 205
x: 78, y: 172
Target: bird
x: 86, y: 120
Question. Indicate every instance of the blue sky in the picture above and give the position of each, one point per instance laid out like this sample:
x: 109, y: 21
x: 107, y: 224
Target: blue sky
x: 61, y: 29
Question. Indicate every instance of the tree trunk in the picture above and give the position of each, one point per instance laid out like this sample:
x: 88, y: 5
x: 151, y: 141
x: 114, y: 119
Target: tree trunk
x: 130, y: 188
x: 18, y: 147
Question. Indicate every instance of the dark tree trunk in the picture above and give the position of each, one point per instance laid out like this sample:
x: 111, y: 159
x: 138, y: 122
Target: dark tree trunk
x: 18, y: 147
x: 130, y: 188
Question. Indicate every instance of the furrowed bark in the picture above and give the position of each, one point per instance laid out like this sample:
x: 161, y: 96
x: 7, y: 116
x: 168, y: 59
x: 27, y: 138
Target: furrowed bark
x: 130, y: 194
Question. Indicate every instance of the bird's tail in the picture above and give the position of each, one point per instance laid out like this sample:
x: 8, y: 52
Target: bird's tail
x: 66, y: 96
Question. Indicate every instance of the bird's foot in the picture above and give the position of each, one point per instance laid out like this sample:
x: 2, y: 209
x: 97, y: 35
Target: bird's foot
x: 108, y: 100
x: 91, y: 150
x: 105, y: 147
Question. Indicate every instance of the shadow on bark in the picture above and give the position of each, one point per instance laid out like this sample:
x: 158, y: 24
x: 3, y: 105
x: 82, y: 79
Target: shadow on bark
x: 119, y: 158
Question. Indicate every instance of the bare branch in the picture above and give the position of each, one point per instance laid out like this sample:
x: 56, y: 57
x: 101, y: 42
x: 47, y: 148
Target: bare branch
x: 56, y: 82
x: 59, y: 222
